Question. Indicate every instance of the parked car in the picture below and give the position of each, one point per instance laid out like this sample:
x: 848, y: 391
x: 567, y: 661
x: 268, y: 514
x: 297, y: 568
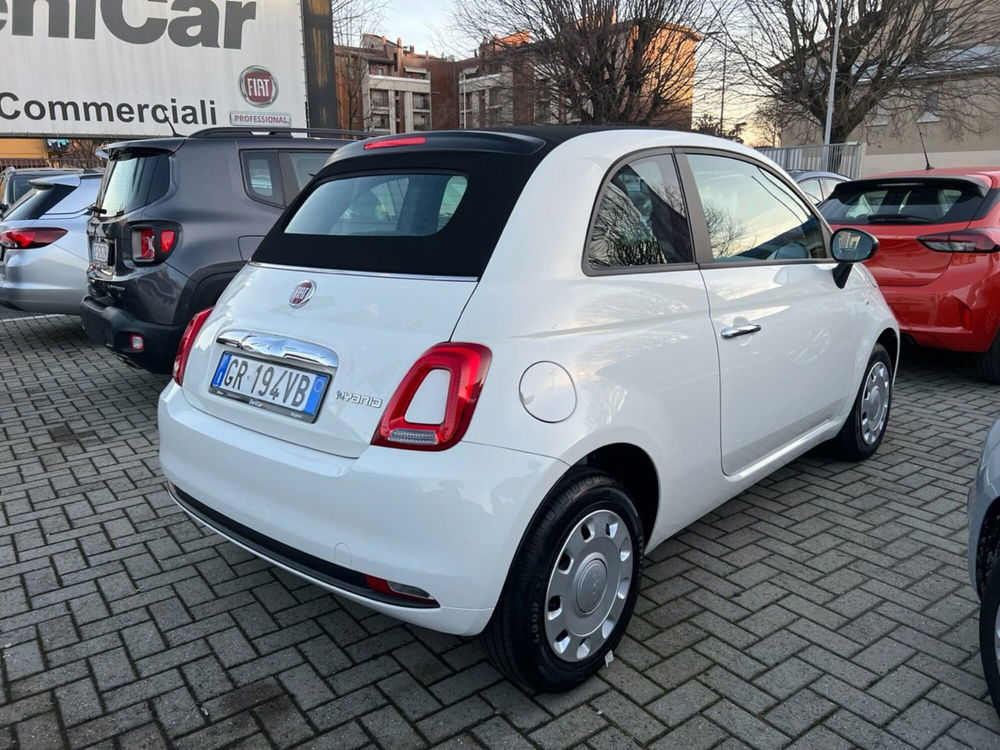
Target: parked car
x: 816, y: 184
x: 984, y: 552
x: 16, y: 181
x: 939, y: 266
x: 43, y: 244
x: 430, y: 397
x: 175, y: 220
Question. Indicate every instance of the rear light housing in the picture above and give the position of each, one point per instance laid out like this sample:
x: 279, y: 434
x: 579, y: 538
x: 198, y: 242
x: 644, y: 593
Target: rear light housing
x: 187, y: 341
x: 413, y: 140
x: 466, y: 365
x: 25, y: 239
x: 966, y: 241
x: 151, y: 244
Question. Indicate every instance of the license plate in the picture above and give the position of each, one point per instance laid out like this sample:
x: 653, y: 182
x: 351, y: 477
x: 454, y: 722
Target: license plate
x: 284, y: 390
x: 99, y: 252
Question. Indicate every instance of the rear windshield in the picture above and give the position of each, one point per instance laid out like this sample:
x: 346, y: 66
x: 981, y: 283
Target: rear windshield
x: 917, y: 202
x: 437, y: 213
x: 20, y: 184
x: 37, y: 202
x: 134, y: 180
x: 387, y: 205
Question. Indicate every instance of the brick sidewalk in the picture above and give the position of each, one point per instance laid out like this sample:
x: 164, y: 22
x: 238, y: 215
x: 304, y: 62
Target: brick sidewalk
x: 826, y: 607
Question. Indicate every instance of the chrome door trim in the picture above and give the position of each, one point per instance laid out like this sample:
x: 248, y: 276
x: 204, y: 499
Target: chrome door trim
x: 731, y: 332
x: 279, y: 347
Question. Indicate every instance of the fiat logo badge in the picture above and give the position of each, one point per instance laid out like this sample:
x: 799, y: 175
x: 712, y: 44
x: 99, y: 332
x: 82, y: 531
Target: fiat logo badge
x: 302, y: 293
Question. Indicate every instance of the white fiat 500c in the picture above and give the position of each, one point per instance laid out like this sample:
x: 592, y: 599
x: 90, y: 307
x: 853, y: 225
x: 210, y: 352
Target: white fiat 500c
x: 469, y: 378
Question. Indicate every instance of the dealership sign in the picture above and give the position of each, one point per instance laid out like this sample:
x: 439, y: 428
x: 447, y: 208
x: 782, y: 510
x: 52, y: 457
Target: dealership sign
x: 149, y: 67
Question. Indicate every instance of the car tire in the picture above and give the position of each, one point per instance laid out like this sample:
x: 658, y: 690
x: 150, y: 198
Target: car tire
x: 988, y: 363
x: 863, y: 431
x: 570, y: 547
x: 989, y: 634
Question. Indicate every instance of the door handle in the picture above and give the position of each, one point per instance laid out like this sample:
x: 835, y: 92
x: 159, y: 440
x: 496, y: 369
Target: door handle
x: 731, y: 332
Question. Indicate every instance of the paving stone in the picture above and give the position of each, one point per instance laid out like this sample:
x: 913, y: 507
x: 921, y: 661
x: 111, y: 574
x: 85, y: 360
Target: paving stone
x: 825, y: 607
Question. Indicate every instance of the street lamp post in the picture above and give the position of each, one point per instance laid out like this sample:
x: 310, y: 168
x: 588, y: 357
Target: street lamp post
x: 833, y: 74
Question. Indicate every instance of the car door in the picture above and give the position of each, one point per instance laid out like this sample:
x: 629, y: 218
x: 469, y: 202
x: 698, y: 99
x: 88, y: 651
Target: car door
x: 784, y: 329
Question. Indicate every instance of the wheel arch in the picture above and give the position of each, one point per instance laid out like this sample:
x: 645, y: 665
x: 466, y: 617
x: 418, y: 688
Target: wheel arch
x: 635, y: 470
x: 988, y: 545
x: 890, y: 340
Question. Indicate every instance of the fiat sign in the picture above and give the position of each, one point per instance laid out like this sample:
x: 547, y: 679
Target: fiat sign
x: 142, y: 68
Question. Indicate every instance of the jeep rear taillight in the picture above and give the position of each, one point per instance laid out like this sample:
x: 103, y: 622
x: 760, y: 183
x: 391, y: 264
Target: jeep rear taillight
x: 446, y: 382
x: 187, y: 341
x: 152, y: 244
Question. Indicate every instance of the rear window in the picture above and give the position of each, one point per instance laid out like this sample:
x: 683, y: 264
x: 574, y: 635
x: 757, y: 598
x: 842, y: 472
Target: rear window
x: 37, y: 202
x: 134, y: 180
x: 393, y: 205
x: 434, y: 212
x: 917, y: 202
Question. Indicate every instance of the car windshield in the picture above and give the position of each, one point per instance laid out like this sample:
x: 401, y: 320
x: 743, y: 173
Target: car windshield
x: 133, y: 181
x: 400, y: 205
x: 917, y: 202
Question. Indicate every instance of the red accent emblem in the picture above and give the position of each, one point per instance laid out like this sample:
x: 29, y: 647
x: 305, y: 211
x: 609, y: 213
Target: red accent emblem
x: 258, y: 86
x: 302, y: 293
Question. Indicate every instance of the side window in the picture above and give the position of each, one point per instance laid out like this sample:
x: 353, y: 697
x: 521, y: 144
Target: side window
x: 828, y: 186
x: 812, y: 190
x: 300, y: 167
x: 752, y: 215
x: 262, y: 178
x: 641, y: 219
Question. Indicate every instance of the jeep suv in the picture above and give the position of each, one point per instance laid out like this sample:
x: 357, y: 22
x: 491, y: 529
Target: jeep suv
x: 174, y: 221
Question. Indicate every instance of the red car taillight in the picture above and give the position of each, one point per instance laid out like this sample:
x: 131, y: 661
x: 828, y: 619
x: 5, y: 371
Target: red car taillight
x: 23, y: 239
x: 966, y: 241
x: 187, y: 341
x: 150, y: 244
x: 466, y: 366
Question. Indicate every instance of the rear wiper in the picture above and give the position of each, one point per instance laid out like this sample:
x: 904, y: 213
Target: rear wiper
x: 901, y: 218
x: 93, y: 210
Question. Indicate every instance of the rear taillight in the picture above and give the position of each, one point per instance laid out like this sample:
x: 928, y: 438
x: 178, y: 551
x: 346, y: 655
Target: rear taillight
x: 187, y: 341
x: 24, y: 239
x: 445, y: 382
x: 413, y: 140
x: 966, y: 241
x: 150, y: 244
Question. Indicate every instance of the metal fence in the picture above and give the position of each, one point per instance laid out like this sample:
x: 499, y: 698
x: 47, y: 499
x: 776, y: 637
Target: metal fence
x: 843, y: 158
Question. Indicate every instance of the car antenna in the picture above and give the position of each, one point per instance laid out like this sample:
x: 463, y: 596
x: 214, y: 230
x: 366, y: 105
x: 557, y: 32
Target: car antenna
x: 927, y: 161
x: 173, y: 130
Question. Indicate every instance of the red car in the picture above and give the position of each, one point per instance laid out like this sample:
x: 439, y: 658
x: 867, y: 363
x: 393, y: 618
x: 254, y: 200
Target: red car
x: 938, y: 262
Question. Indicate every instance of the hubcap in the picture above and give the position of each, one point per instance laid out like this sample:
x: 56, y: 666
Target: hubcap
x: 874, y: 404
x: 996, y: 638
x: 588, y: 586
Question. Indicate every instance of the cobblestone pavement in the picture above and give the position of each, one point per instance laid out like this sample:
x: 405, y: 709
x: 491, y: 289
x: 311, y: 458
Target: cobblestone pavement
x: 826, y: 607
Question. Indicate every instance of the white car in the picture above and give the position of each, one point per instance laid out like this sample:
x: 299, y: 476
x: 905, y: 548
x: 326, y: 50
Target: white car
x: 43, y: 244
x: 470, y: 378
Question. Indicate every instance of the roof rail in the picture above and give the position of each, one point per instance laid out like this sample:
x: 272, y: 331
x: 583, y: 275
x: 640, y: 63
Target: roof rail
x: 229, y: 132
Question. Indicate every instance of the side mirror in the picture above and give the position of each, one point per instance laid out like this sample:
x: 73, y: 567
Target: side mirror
x: 850, y: 246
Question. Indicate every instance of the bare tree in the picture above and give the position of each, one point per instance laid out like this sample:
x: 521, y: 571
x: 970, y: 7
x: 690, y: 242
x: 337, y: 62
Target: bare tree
x: 352, y: 19
x: 605, y: 61
x: 894, y: 56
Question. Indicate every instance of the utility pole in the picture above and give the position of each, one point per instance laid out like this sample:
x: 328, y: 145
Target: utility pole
x: 722, y: 105
x: 834, y: 55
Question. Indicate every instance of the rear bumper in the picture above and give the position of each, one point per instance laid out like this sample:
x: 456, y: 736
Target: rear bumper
x: 46, y: 279
x: 447, y: 522
x: 111, y: 327
x: 960, y: 310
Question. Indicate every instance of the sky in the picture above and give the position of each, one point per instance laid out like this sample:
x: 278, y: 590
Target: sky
x: 422, y: 23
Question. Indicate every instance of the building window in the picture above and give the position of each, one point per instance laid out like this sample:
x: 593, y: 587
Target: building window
x: 380, y: 122
x: 932, y: 105
x: 939, y: 24
x: 421, y: 101
x: 421, y: 121
x: 880, y: 118
x: 380, y: 98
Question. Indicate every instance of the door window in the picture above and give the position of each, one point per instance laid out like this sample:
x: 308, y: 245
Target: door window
x: 641, y: 219
x: 752, y: 215
x: 262, y: 177
x: 812, y: 190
